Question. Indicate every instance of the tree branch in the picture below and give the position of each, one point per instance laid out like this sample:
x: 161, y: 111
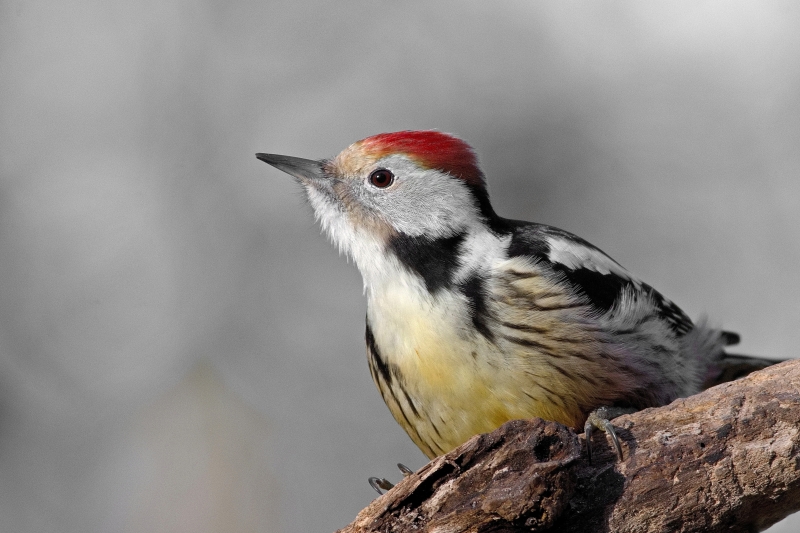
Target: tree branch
x: 727, y: 459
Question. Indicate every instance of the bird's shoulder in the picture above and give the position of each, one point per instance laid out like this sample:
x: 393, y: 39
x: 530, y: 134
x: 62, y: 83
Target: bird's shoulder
x: 588, y: 272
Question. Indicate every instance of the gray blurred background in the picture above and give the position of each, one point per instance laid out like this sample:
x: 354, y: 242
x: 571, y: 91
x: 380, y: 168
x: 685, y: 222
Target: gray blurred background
x: 181, y: 350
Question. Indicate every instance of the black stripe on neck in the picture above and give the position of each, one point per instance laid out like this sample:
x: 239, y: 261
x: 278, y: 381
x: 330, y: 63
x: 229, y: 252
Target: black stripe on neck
x: 434, y: 260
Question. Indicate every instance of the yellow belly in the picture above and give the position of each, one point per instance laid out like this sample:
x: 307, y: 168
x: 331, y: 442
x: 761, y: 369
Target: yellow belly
x: 449, y: 383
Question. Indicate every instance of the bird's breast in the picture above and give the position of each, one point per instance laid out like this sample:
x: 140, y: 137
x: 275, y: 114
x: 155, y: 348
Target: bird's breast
x: 424, y: 337
x: 443, y: 381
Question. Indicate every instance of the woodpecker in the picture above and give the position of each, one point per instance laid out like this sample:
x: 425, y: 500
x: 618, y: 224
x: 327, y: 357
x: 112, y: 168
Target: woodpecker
x: 474, y: 320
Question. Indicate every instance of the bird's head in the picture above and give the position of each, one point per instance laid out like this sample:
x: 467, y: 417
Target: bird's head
x: 409, y: 184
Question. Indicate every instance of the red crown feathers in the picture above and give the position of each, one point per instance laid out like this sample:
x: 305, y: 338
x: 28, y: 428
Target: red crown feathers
x: 430, y: 149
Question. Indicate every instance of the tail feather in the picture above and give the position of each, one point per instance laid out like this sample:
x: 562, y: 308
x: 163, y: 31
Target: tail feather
x: 730, y: 338
x: 735, y: 366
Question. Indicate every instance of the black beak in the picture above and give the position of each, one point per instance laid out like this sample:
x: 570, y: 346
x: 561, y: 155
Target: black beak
x: 303, y: 169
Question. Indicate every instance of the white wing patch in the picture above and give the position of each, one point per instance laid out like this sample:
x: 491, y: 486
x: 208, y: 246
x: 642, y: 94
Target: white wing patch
x: 574, y: 255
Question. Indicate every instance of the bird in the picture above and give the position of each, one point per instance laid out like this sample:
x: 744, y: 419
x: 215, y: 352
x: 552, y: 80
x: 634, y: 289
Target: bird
x: 473, y: 319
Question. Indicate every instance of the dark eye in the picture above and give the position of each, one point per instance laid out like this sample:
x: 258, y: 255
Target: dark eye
x: 381, y: 178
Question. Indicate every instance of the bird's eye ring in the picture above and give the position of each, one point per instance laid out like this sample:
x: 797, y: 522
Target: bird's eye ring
x: 381, y: 178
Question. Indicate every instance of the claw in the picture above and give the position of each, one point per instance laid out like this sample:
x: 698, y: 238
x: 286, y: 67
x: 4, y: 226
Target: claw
x: 587, y: 431
x: 614, y: 438
x: 379, y: 483
x: 599, y: 418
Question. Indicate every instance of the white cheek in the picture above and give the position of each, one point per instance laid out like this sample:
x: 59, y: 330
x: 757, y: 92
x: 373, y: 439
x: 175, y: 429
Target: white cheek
x: 357, y: 244
x: 422, y: 202
x: 432, y: 211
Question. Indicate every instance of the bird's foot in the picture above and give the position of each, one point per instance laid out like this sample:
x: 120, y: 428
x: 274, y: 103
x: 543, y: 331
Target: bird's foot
x: 381, y: 483
x: 404, y: 469
x: 600, y: 419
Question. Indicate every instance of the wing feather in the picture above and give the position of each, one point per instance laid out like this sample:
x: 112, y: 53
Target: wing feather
x: 591, y: 273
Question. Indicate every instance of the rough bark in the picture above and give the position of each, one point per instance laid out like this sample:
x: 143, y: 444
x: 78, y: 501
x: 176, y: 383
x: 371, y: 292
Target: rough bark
x: 727, y: 459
